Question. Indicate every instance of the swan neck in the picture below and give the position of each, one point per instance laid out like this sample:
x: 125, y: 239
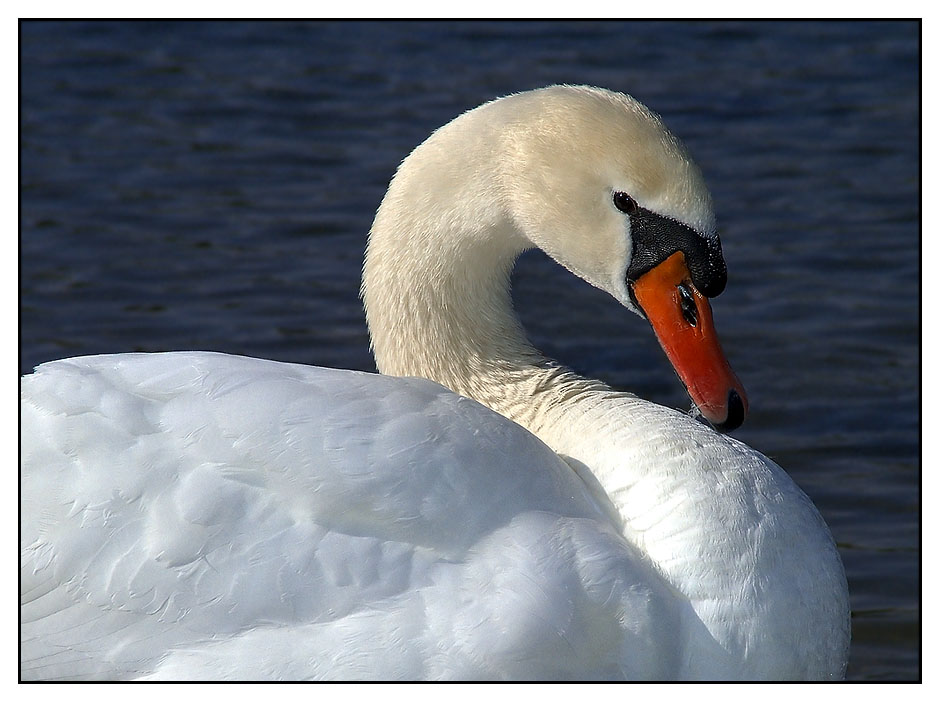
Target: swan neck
x: 438, y: 302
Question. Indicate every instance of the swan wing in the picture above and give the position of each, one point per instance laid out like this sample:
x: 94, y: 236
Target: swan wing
x: 197, y: 515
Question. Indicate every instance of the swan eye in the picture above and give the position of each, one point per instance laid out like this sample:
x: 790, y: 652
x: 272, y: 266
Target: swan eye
x: 687, y: 304
x: 625, y: 203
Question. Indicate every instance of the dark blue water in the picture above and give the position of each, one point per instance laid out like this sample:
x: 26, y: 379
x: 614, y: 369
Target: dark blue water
x: 210, y: 186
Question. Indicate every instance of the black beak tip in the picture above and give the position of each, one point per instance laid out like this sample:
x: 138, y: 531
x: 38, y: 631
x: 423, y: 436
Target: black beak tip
x: 735, y: 416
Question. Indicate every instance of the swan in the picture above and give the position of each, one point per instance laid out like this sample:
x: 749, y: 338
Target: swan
x: 476, y: 511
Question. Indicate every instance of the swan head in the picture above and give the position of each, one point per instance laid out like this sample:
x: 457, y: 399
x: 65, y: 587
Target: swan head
x: 597, y: 181
x: 591, y: 177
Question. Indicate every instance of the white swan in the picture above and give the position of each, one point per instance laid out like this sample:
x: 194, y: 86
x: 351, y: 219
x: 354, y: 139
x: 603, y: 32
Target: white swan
x: 196, y: 515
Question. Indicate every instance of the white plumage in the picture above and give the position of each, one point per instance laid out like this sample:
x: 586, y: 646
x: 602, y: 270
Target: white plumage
x: 202, y: 516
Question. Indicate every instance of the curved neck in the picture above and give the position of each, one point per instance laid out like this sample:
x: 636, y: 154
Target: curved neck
x: 435, y: 282
x: 450, y: 317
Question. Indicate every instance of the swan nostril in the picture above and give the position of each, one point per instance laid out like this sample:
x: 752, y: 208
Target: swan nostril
x: 687, y: 304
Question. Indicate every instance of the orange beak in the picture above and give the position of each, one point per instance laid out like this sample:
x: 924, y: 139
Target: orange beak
x: 682, y: 320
